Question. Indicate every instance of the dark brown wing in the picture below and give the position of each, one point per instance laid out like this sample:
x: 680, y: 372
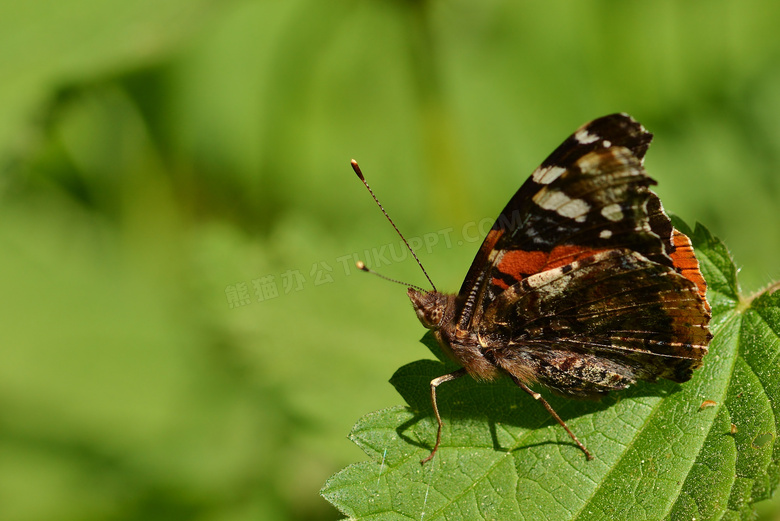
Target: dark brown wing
x: 598, y: 324
x: 591, y: 194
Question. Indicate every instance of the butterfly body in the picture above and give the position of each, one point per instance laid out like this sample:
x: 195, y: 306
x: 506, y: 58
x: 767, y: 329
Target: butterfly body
x: 582, y: 285
x: 437, y: 312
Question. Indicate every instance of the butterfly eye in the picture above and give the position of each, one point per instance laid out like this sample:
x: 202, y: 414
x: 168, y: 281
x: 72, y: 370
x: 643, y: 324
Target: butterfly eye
x: 429, y: 306
x: 435, y: 315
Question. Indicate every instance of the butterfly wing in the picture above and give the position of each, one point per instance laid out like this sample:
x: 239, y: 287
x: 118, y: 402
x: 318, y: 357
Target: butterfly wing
x: 590, y: 194
x: 588, y: 216
x: 598, y: 324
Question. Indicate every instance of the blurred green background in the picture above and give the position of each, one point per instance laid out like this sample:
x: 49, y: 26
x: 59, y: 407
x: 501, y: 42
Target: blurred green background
x: 182, y: 336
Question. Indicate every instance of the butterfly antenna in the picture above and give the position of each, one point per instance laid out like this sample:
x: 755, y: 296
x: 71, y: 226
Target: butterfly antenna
x: 361, y: 266
x: 356, y: 168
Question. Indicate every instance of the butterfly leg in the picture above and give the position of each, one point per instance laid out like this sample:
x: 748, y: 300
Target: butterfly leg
x: 436, y: 382
x: 554, y: 414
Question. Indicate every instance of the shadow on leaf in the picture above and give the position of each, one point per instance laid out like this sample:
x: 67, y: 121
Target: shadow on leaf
x: 466, y: 401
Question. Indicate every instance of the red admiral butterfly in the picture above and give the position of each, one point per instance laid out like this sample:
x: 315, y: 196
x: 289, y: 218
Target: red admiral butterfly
x: 582, y: 286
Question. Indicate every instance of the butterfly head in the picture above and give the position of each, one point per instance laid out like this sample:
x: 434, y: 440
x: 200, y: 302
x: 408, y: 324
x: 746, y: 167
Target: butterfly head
x: 431, y: 307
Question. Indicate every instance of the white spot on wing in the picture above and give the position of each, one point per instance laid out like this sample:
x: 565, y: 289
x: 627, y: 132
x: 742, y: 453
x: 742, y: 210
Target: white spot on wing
x: 605, y: 234
x: 554, y: 280
x: 575, y: 209
x: 562, y: 204
x: 584, y: 137
x: 547, y: 174
x: 613, y: 212
x: 593, y: 162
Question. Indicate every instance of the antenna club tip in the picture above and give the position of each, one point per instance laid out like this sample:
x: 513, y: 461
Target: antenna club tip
x: 356, y: 168
x: 359, y: 265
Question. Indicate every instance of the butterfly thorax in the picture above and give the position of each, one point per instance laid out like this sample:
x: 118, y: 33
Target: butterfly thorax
x: 437, y: 312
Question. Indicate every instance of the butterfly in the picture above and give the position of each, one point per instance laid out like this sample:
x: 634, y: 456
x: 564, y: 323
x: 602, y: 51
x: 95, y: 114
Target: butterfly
x: 582, y: 286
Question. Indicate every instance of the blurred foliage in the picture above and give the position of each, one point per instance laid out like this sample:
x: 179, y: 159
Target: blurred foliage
x: 156, y: 156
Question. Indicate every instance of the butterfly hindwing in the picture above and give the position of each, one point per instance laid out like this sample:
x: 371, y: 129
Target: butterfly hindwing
x: 642, y: 319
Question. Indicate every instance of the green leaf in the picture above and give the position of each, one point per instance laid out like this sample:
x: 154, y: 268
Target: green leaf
x: 658, y: 453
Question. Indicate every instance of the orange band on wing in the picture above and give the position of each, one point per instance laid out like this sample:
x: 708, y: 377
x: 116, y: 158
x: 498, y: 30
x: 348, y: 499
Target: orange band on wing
x: 685, y: 261
x: 563, y: 255
x: 520, y: 264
